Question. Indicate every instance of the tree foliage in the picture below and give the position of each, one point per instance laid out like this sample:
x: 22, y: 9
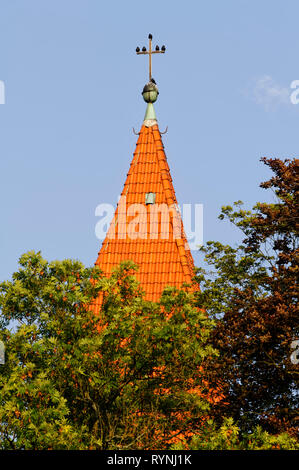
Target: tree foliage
x: 227, y: 436
x: 128, y: 377
x: 252, y: 291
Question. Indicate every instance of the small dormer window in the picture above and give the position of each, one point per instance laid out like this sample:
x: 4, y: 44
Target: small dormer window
x: 150, y: 198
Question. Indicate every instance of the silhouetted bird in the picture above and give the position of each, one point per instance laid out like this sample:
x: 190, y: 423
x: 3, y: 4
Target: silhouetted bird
x: 157, y: 48
x: 150, y: 36
x: 144, y: 49
x: 163, y: 48
x: 137, y: 49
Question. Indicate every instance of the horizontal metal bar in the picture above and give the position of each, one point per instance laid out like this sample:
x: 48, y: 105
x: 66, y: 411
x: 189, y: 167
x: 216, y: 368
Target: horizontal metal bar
x: 153, y: 52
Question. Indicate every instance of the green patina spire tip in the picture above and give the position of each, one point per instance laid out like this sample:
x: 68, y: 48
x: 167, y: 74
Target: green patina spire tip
x: 150, y: 94
x: 150, y: 112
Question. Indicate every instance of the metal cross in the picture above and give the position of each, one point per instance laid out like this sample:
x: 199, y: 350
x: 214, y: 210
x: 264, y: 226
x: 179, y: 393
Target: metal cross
x: 150, y: 52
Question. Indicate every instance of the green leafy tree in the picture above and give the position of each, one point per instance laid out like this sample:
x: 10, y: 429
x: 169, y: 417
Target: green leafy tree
x: 228, y: 436
x: 252, y: 291
x: 126, y: 377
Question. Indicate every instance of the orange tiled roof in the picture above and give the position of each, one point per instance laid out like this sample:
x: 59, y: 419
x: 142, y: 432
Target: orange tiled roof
x: 163, y: 260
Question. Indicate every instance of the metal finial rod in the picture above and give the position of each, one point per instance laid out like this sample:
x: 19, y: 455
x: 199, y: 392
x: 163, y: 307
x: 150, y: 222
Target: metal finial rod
x: 150, y: 56
x: 150, y: 52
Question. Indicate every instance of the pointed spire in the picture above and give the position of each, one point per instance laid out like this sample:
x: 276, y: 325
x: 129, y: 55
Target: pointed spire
x: 154, y: 239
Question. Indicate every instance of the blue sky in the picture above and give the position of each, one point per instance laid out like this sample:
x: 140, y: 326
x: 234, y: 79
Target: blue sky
x: 73, y: 88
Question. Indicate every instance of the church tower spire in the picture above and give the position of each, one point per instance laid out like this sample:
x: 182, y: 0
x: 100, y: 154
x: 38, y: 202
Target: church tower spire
x: 147, y: 226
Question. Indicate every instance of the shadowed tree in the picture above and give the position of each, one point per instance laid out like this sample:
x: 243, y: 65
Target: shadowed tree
x: 253, y: 293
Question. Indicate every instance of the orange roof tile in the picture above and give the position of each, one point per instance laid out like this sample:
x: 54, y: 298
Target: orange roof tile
x: 163, y: 258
